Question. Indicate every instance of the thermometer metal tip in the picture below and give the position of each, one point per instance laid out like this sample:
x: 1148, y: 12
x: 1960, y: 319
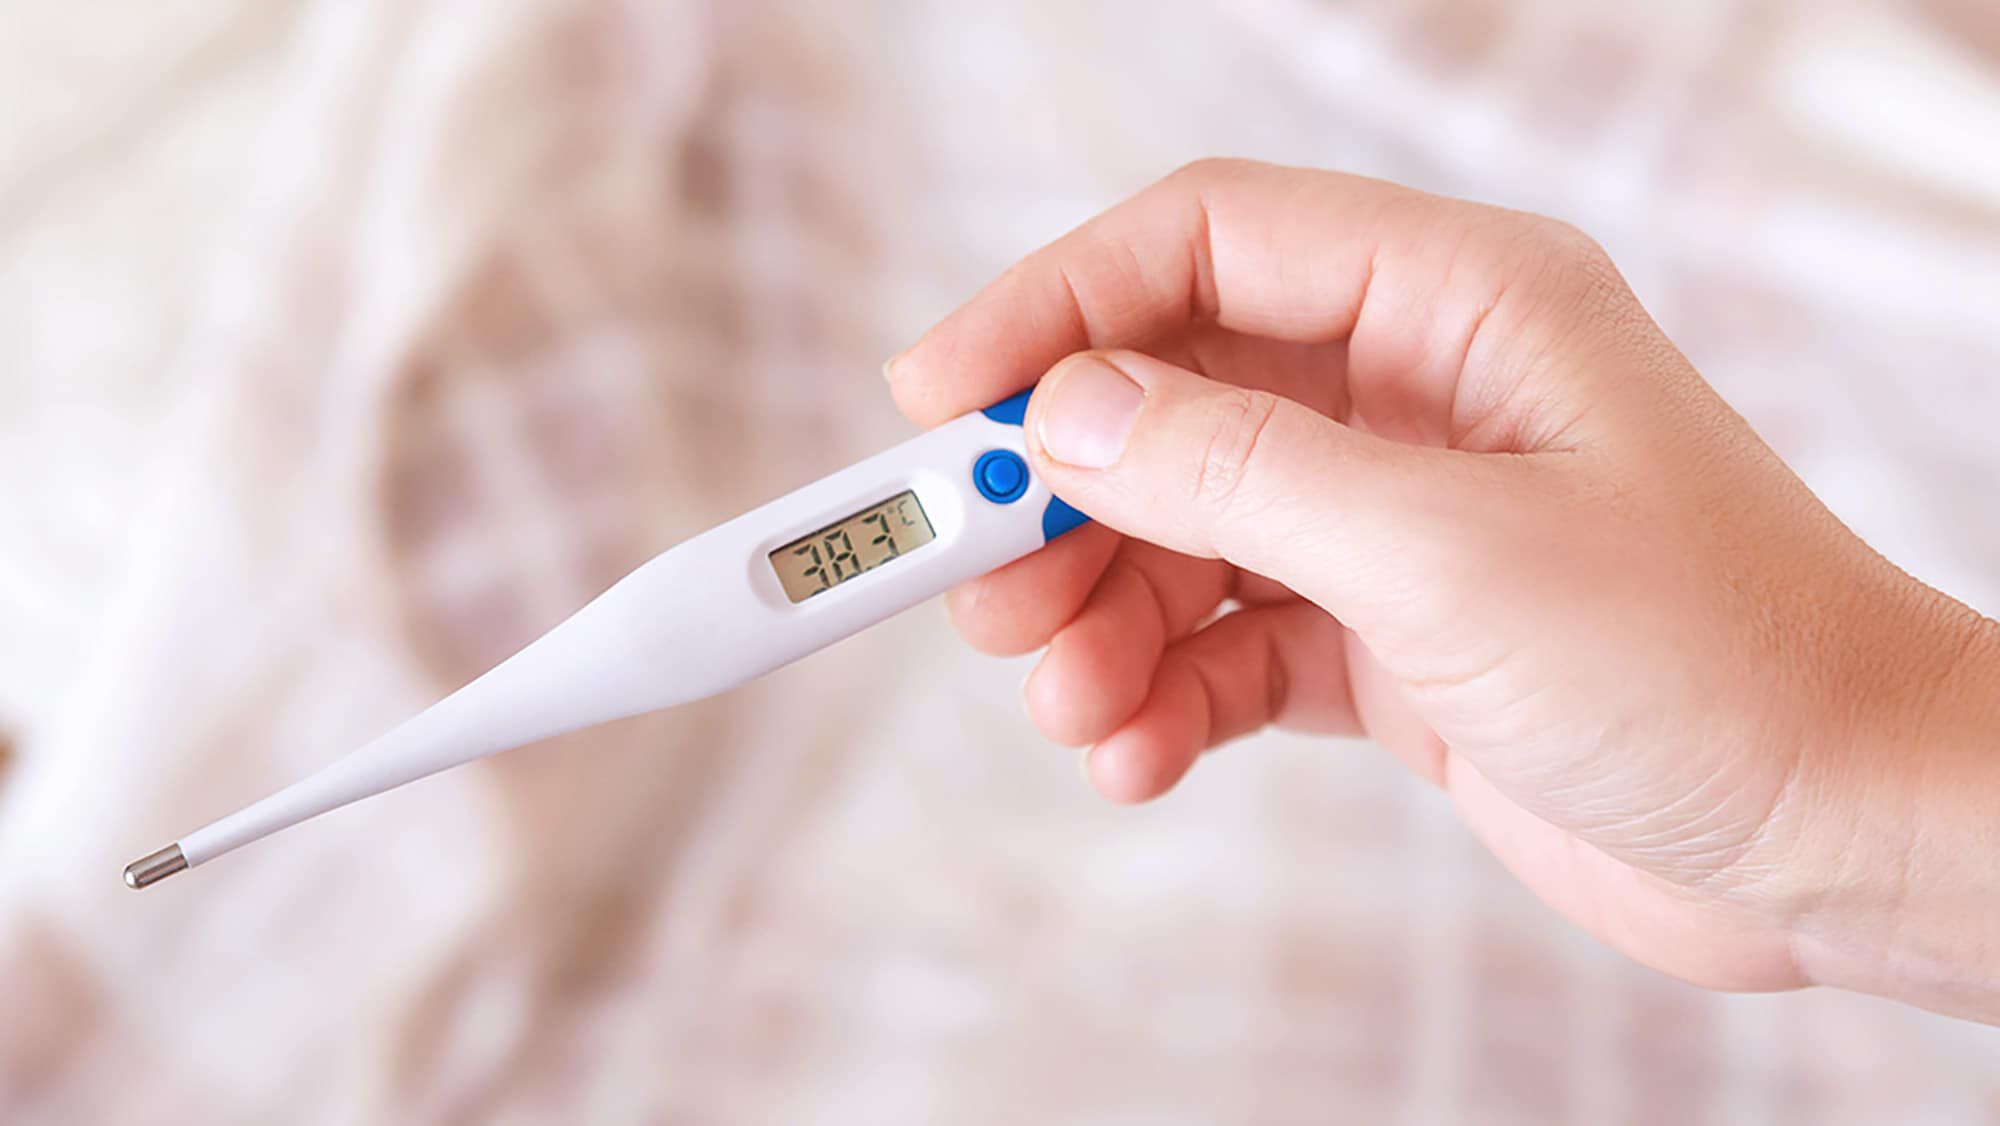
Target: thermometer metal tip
x: 151, y: 869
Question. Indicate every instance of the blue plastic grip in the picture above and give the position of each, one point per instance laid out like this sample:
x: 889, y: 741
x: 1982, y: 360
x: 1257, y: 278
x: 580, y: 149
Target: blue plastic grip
x: 1010, y: 410
x: 1058, y: 518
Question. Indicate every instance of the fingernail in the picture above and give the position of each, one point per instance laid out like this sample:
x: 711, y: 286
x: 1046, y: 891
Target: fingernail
x: 1088, y: 412
x: 889, y: 365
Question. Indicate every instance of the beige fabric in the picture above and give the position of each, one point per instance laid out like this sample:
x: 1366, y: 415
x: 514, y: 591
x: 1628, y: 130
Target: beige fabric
x: 346, y: 346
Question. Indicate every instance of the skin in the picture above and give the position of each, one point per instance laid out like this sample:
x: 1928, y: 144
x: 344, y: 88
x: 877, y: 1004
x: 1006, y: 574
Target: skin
x: 1368, y: 461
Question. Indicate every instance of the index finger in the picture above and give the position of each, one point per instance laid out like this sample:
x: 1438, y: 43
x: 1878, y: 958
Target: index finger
x: 1280, y: 252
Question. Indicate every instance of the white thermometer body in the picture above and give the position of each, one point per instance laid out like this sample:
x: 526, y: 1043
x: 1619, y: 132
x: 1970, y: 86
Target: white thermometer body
x: 725, y: 607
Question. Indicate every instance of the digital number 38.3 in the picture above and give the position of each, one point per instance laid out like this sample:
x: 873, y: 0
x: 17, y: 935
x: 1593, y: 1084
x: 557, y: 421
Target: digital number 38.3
x: 832, y: 556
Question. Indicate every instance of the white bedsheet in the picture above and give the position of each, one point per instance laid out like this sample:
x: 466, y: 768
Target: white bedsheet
x: 344, y: 346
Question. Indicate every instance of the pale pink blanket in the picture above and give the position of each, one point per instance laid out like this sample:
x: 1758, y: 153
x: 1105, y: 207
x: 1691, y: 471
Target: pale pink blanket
x: 345, y: 346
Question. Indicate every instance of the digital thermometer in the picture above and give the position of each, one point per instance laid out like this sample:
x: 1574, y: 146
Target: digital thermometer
x: 727, y: 606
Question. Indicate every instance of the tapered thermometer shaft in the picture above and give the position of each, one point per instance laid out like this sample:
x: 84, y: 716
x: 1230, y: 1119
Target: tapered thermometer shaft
x: 723, y: 608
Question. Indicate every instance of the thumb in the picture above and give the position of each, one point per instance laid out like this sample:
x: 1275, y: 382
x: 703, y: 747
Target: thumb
x: 1351, y: 521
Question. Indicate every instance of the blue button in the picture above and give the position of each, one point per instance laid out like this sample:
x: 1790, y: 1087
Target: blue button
x: 1001, y: 476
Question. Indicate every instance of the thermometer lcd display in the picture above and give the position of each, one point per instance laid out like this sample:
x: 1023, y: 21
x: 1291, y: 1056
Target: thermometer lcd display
x: 851, y: 545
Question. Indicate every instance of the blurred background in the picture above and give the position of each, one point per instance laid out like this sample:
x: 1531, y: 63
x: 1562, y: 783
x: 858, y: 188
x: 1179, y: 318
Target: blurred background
x: 345, y: 346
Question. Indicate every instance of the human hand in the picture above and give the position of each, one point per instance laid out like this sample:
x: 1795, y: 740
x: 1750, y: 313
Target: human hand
x: 1364, y: 460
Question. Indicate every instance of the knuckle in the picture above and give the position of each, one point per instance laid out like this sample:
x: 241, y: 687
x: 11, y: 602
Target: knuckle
x: 1548, y: 271
x: 1569, y: 256
x: 1236, y: 433
x: 1565, y: 239
x: 1211, y: 169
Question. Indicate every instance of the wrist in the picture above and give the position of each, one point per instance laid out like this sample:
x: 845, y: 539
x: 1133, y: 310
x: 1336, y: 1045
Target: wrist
x: 1908, y: 905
